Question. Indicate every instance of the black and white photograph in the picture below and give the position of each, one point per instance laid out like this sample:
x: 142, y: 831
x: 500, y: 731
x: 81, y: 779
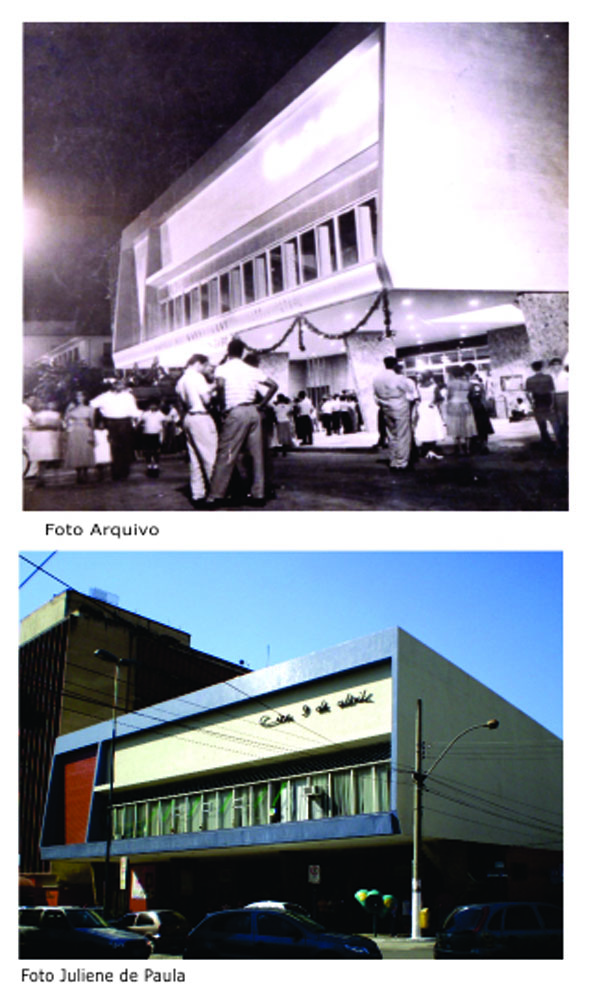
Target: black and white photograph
x: 295, y: 266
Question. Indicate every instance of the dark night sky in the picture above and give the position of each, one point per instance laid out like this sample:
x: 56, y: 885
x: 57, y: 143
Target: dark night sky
x: 113, y: 114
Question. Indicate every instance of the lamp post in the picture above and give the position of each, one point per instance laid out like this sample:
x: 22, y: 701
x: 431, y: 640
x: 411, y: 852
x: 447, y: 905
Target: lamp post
x: 419, y: 778
x: 117, y: 661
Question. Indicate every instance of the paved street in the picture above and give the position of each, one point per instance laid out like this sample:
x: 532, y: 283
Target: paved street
x: 397, y: 948
x: 344, y: 474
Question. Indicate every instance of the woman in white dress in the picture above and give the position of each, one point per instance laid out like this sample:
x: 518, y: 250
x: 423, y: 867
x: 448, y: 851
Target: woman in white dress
x: 45, y: 438
x: 429, y: 428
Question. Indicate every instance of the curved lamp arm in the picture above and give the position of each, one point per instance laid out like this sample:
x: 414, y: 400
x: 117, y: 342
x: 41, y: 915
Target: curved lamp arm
x: 491, y: 724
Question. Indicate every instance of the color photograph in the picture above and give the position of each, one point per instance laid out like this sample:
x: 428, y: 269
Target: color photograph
x: 228, y: 768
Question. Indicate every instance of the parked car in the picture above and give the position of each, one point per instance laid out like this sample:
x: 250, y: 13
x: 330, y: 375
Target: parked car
x: 269, y: 933
x: 271, y: 904
x: 501, y: 930
x: 166, y: 929
x: 74, y: 932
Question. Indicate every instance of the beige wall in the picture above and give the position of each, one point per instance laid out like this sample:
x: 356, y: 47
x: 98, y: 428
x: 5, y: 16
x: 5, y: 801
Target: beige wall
x: 502, y: 785
x: 236, y: 737
x: 55, y: 610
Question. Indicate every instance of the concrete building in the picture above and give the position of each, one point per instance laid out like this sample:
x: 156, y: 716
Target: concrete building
x: 63, y: 687
x: 403, y: 189
x: 296, y: 782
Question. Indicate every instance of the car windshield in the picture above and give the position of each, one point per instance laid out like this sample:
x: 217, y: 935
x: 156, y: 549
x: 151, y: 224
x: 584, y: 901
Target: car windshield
x: 85, y: 918
x: 466, y: 919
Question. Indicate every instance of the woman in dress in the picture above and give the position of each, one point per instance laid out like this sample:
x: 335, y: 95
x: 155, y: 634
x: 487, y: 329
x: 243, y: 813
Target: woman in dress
x: 459, y: 416
x: 429, y: 428
x: 283, y: 411
x: 79, y: 442
x: 45, y: 438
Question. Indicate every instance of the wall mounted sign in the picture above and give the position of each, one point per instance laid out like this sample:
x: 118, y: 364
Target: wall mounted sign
x: 363, y: 698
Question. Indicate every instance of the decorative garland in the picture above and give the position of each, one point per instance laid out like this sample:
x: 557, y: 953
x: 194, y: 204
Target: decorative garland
x: 301, y: 321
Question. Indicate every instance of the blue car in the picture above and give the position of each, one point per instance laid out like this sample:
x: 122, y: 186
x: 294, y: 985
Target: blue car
x: 501, y: 930
x: 269, y: 933
x: 74, y: 932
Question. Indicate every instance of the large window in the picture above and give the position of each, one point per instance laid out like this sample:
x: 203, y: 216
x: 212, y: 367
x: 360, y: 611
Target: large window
x: 320, y: 795
x: 332, y: 244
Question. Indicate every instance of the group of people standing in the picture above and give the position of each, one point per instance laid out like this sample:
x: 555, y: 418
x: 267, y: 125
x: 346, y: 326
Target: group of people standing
x: 548, y: 394
x: 103, y: 432
x: 298, y: 419
x: 416, y: 415
x: 223, y: 416
x: 340, y: 414
x: 223, y: 423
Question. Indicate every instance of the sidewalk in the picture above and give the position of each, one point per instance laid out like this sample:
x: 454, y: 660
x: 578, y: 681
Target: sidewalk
x: 405, y: 948
x: 344, y: 473
x: 511, y: 435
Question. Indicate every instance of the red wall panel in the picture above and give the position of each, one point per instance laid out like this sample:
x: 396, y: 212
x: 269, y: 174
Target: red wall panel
x: 78, y: 784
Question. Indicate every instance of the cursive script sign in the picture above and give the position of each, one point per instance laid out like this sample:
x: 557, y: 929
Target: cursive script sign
x: 268, y: 722
x: 356, y: 699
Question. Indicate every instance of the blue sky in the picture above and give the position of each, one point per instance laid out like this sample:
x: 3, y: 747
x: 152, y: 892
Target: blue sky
x: 497, y: 615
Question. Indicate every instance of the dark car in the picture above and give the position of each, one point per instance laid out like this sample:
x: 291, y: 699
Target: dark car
x: 166, y: 929
x: 272, y: 904
x: 269, y: 933
x: 74, y: 932
x: 501, y: 930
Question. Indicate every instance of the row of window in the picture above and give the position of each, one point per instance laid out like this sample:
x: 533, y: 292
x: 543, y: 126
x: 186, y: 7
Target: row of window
x: 331, y: 245
x: 479, y: 355
x: 345, y: 792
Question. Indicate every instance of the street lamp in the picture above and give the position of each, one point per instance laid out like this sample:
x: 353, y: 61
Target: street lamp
x: 118, y: 662
x: 419, y: 778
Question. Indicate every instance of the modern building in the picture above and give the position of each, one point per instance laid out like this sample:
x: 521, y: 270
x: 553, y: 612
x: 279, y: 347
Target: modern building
x: 402, y: 190
x: 296, y: 782
x: 63, y: 687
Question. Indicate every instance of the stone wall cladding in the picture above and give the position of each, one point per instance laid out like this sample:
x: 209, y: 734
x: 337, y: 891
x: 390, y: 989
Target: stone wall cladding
x: 546, y: 317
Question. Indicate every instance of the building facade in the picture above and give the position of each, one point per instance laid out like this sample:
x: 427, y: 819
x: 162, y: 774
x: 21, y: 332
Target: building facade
x: 296, y: 782
x: 402, y: 190
x: 63, y: 686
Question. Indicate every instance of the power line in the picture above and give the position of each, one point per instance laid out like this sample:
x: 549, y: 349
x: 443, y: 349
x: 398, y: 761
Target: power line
x: 36, y: 570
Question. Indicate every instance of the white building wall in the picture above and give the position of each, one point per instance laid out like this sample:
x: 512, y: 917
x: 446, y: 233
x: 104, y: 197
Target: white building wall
x: 330, y: 123
x: 475, y: 156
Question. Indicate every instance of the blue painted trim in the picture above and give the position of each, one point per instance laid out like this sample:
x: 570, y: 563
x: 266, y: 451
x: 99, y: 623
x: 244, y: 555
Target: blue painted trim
x: 341, y: 828
x: 347, y: 656
x: 394, y: 789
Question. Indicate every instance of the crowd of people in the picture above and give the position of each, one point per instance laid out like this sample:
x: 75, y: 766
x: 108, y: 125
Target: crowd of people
x: 417, y: 414
x: 104, y: 433
x: 230, y: 420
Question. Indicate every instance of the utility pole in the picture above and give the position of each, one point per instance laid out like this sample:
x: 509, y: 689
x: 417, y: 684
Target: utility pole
x: 417, y: 813
x: 419, y: 778
x: 117, y: 662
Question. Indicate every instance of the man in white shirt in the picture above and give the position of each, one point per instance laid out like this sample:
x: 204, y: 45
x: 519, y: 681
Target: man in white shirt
x: 195, y: 392
x: 240, y: 387
x: 120, y: 413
